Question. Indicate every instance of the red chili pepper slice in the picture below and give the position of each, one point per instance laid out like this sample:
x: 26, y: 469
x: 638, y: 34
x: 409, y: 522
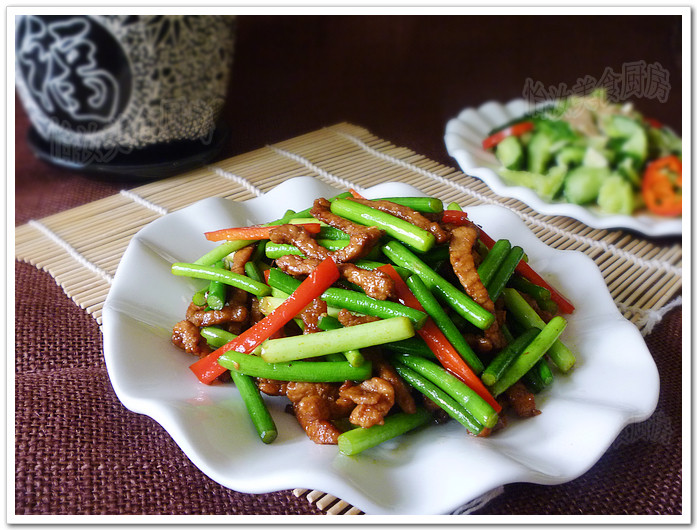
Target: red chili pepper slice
x: 653, y: 123
x: 252, y: 232
x: 513, y: 130
x: 661, y: 186
x: 455, y: 217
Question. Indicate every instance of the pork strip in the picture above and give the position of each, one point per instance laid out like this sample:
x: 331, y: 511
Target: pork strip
x: 374, y: 398
x: 187, y: 336
x: 402, y: 395
x: 240, y: 258
x: 522, y: 400
x: 462, y: 260
x: 348, y: 319
x: 199, y: 317
x: 314, y: 405
x: 311, y: 315
x: 301, y: 238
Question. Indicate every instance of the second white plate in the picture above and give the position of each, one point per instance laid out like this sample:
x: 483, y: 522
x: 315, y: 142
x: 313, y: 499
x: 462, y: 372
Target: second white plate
x: 463, y: 140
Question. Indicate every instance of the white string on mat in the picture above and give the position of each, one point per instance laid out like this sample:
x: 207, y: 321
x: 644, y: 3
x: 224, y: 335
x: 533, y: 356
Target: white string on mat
x: 251, y: 188
x: 593, y: 243
x: 648, y: 318
x: 313, y: 167
x: 324, y: 502
x: 144, y: 202
x: 82, y: 260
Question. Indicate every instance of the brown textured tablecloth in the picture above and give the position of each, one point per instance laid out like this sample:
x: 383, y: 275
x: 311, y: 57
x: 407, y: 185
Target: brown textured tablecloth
x: 79, y: 451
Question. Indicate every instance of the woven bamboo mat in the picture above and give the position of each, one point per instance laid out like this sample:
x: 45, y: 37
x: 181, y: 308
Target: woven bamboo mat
x: 81, y: 247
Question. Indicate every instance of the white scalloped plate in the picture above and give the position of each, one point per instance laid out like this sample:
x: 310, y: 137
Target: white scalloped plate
x: 463, y: 141
x: 432, y: 471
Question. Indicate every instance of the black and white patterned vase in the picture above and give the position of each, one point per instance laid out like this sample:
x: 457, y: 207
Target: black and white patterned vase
x: 99, y: 86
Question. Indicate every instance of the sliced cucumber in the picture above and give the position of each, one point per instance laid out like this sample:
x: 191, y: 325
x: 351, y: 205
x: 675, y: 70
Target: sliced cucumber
x: 546, y: 186
x: 582, y: 185
x: 636, y: 146
x: 510, y: 153
x: 616, y: 196
x: 539, y: 152
x: 628, y: 168
x: 570, y: 156
x: 618, y: 126
x: 594, y: 158
x: 599, y: 143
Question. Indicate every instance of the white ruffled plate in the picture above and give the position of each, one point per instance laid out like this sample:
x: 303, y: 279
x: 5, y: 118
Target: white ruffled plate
x: 463, y: 141
x: 433, y: 471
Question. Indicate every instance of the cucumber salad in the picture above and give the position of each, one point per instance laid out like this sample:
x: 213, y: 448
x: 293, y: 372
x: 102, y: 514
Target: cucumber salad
x: 589, y: 151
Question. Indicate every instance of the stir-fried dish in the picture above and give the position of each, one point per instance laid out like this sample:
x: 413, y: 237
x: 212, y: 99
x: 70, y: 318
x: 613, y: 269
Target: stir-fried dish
x: 373, y: 318
x: 592, y: 152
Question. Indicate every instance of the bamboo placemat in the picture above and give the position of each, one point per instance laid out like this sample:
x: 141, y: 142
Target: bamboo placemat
x: 81, y: 247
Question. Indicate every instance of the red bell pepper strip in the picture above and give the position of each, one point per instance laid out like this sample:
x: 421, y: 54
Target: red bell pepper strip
x: 441, y: 347
x: 661, y: 186
x: 653, y: 123
x: 528, y: 273
x: 486, y: 239
x: 252, y: 232
x: 355, y: 194
x: 325, y: 274
x: 516, y: 129
x: 454, y: 217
